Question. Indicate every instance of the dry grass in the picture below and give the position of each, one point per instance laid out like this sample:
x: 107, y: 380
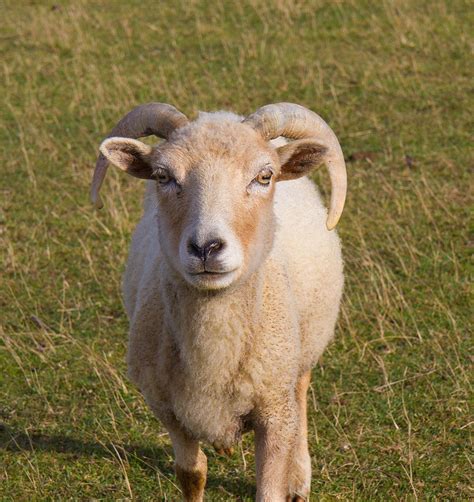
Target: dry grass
x: 389, y: 414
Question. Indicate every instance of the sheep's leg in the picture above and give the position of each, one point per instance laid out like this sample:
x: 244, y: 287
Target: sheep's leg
x: 190, y: 464
x: 274, y: 441
x: 300, y: 463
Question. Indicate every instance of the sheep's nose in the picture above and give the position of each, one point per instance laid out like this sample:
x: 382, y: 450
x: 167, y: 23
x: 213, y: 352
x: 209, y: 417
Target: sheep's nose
x: 203, y: 252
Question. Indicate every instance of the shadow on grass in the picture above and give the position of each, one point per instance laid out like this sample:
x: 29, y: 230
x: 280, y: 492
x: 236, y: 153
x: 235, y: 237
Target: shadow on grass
x: 153, y: 459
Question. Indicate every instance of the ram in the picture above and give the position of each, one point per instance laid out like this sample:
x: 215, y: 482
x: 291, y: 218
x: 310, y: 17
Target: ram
x: 233, y: 281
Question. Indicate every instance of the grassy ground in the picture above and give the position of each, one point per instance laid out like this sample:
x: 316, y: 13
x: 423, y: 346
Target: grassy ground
x: 389, y: 407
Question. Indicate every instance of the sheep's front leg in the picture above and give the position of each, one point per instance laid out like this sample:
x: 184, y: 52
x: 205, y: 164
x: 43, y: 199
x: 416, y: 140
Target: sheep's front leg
x: 275, y: 433
x: 300, y: 460
x: 190, y: 464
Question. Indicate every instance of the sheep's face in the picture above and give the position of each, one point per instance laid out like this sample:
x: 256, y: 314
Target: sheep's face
x: 215, y: 182
x: 215, y: 185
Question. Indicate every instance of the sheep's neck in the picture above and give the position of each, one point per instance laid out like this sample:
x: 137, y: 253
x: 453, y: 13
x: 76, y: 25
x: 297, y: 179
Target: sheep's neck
x: 212, y: 332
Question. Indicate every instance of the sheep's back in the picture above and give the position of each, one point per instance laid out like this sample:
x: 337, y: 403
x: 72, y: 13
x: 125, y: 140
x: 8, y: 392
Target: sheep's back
x: 144, y: 253
x: 313, y: 260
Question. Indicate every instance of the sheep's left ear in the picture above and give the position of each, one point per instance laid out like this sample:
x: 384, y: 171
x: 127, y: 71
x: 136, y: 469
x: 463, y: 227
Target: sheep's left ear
x: 130, y: 155
x: 299, y: 158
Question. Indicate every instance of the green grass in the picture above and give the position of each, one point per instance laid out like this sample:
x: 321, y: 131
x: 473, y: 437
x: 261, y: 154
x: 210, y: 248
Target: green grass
x: 390, y: 417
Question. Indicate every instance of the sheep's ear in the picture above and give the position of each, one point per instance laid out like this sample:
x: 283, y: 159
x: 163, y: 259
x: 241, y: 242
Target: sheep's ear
x: 130, y: 155
x: 299, y: 158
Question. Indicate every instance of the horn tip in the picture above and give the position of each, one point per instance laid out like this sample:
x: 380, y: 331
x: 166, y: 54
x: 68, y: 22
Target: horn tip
x: 96, y: 201
x: 331, y: 222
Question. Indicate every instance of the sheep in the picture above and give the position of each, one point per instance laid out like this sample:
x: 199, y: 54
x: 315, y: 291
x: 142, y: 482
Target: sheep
x: 233, y: 281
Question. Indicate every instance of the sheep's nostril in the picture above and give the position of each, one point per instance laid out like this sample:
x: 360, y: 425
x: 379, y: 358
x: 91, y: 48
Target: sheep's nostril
x: 203, y: 252
x: 213, y: 247
x: 194, y: 249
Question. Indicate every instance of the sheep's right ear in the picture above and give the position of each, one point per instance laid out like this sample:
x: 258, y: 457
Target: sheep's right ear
x: 130, y: 155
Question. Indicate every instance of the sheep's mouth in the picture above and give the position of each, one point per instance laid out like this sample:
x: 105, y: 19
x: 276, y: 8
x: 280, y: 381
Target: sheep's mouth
x: 207, y: 279
x: 212, y: 273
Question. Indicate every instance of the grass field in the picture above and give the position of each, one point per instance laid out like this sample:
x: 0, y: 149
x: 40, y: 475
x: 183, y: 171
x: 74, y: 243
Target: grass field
x: 390, y: 416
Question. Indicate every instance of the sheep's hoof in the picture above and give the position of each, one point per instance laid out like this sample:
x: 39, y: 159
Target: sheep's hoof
x: 296, y: 498
x: 224, y: 451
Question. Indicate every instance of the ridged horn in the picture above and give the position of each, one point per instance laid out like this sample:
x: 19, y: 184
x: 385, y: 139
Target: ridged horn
x: 159, y: 119
x: 295, y: 122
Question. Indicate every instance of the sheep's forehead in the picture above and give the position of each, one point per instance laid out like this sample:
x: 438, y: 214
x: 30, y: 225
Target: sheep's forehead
x: 231, y: 144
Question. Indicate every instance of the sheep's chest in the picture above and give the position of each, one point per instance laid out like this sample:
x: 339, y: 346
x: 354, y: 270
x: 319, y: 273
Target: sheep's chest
x: 211, y: 386
x: 212, y: 412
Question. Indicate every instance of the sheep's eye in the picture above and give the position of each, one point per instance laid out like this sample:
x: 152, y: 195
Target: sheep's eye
x: 264, y: 177
x: 162, y: 176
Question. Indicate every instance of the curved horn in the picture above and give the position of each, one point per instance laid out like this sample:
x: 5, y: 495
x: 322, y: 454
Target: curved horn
x: 159, y: 119
x: 295, y: 122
